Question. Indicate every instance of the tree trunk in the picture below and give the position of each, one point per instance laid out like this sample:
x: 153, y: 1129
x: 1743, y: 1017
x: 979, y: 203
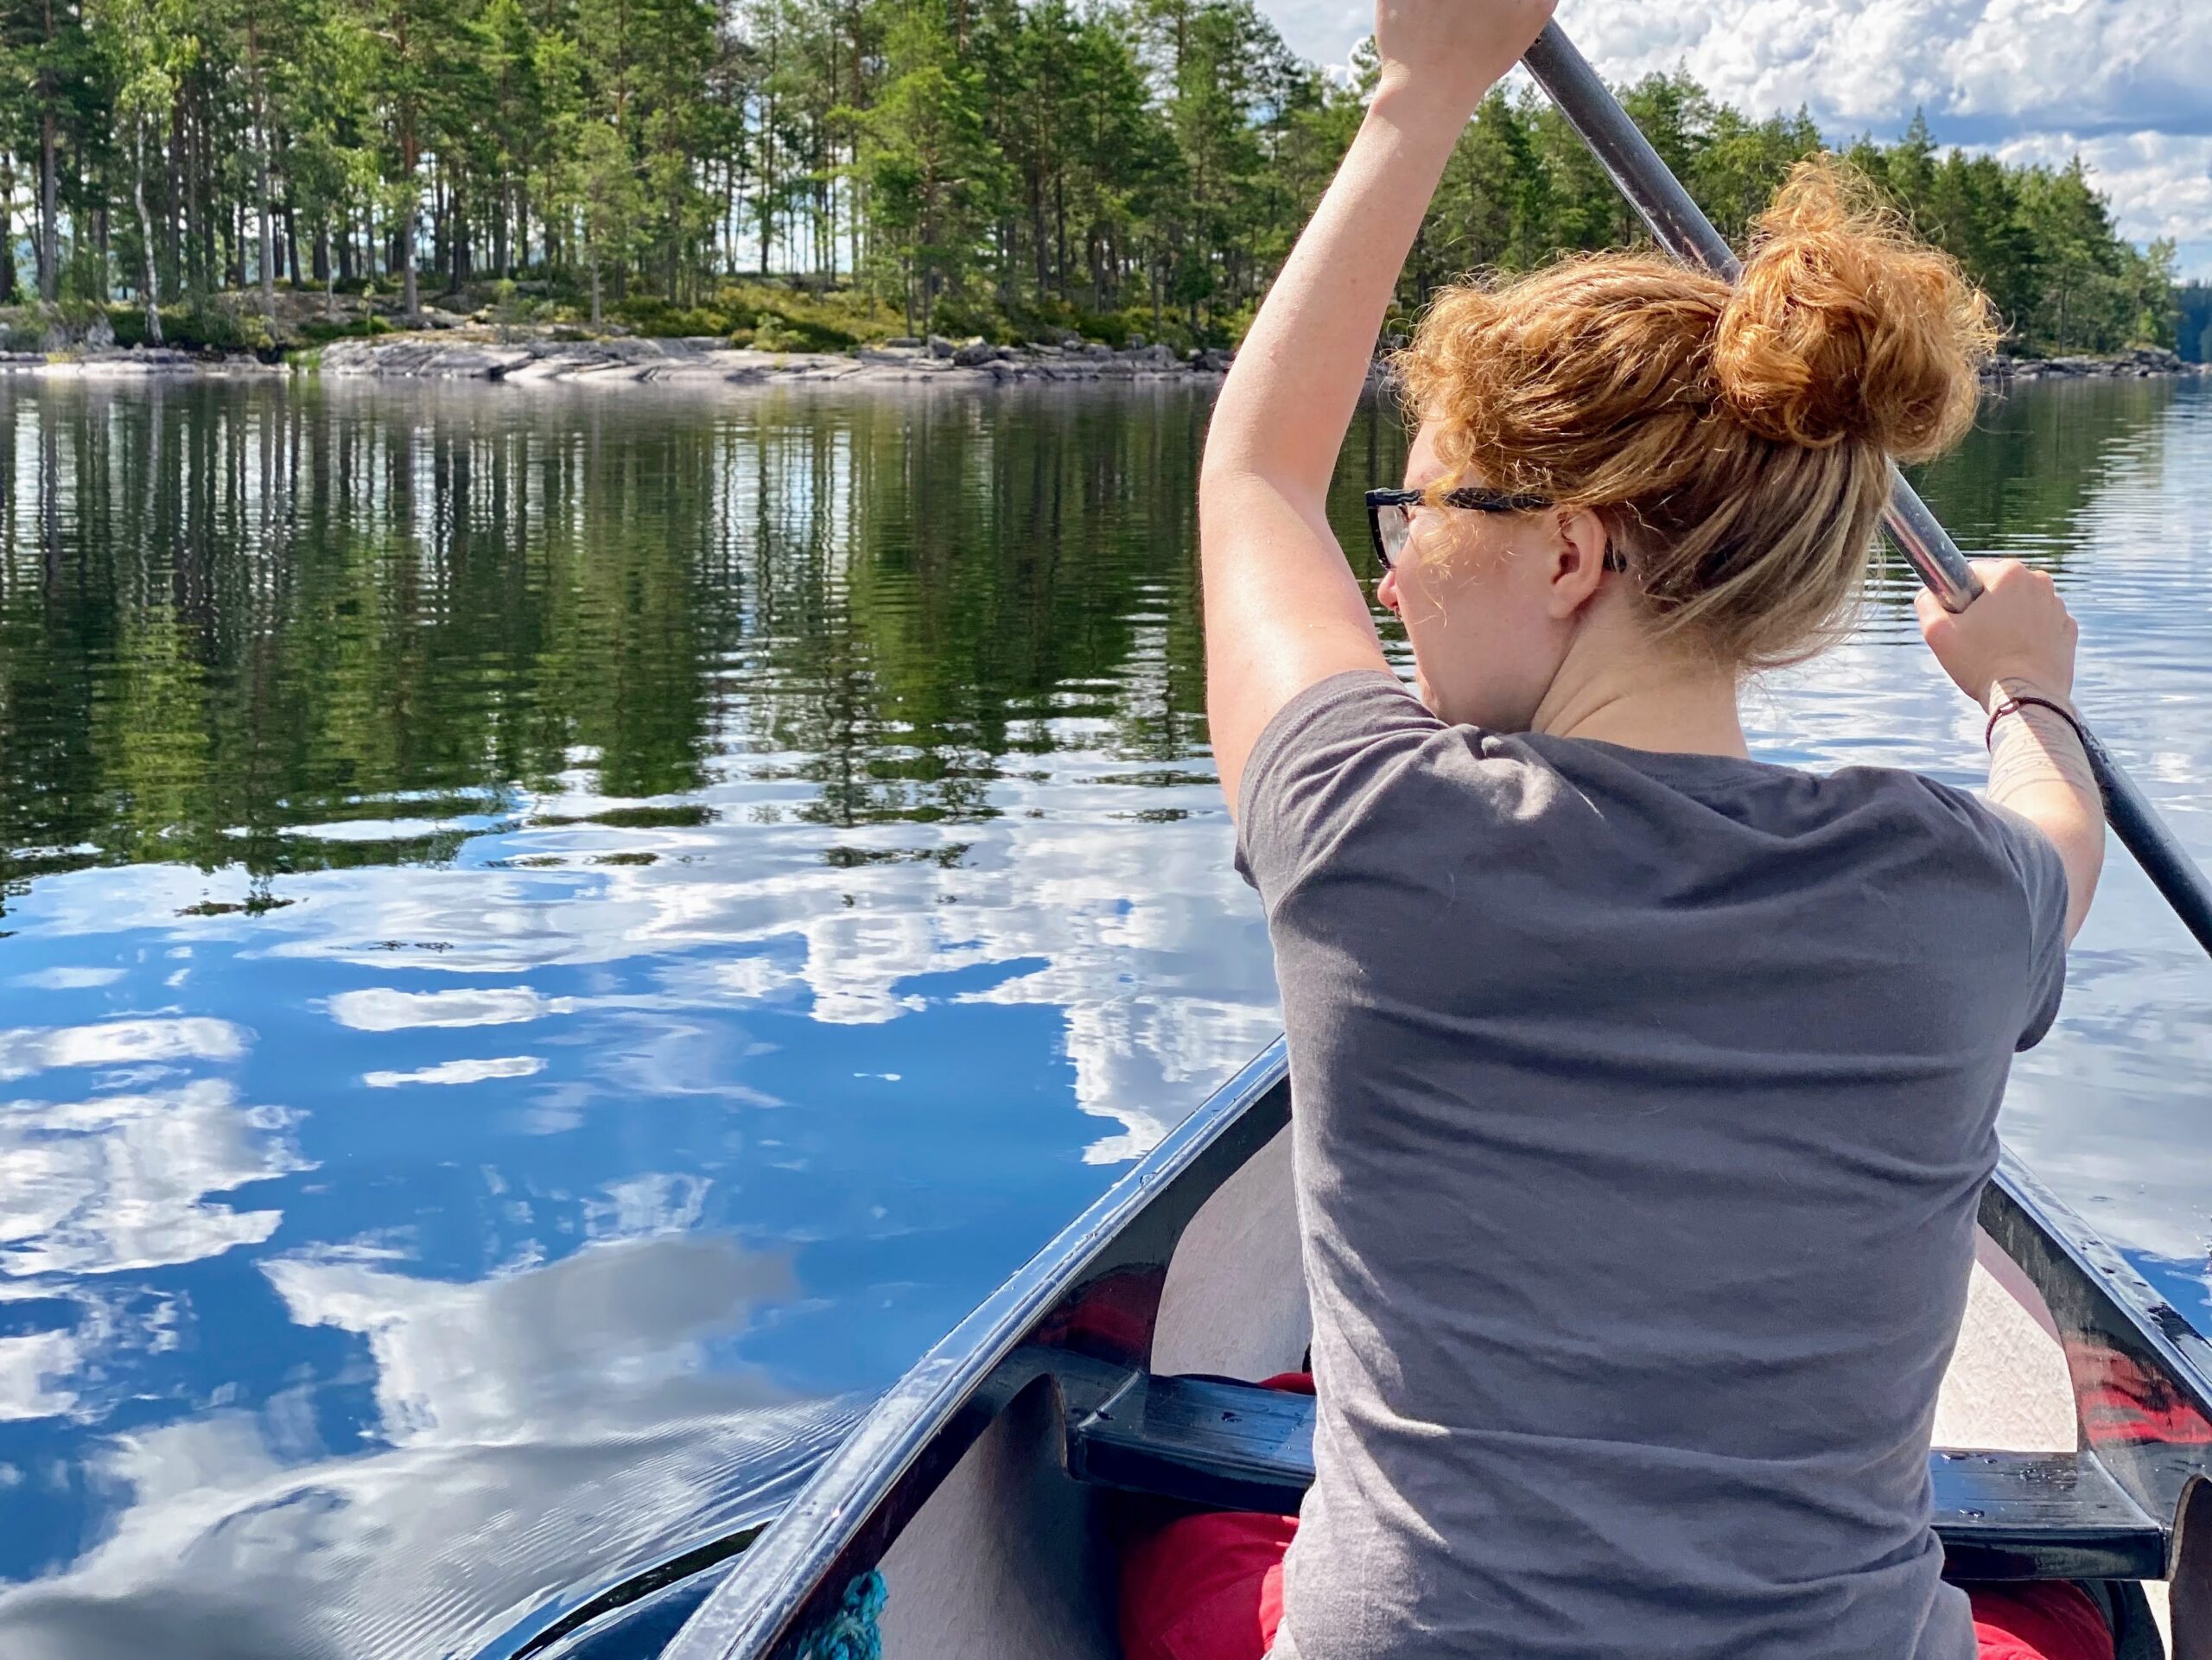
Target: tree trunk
x: 263, y: 207
x: 268, y: 235
x: 151, y: 292
x: 595, y: 289
x: 322, y: 260
x: 1060, y: 234
x: 173, y: 197
x: 49, y: 207
x: 411, y: 300
x: 7, y: 231
x: 410, y: 158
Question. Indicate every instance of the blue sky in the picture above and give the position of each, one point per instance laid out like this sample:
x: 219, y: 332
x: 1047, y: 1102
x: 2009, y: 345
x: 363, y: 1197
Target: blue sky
x: 2126, y: 83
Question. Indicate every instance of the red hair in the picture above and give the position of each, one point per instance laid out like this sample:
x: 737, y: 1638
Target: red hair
x: 1736, y: 440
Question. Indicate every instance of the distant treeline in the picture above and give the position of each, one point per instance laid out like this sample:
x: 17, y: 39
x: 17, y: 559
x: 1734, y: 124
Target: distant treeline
x: 970, y: 164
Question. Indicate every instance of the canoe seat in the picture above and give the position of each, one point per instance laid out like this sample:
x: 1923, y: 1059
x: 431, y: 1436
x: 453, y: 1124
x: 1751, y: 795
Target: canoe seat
x: 1236, y: 1447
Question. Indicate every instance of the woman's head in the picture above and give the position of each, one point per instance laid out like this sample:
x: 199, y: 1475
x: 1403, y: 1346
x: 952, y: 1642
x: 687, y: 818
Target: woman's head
x: 1731, y: 445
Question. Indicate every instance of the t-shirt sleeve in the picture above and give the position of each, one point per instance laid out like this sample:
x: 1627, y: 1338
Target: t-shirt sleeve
x: 1317, y: 767
x: 2034, y: 859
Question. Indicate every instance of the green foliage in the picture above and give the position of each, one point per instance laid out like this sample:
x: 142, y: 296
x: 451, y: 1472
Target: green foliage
x: 2193, y: 320
x: 211, y: 325
x: 1012, y: 168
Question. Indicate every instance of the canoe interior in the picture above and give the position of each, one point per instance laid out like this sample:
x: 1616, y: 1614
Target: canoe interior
x: 956, y: 1487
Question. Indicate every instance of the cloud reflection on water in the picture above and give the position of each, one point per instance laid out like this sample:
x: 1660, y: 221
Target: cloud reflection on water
x: 577, y: 1396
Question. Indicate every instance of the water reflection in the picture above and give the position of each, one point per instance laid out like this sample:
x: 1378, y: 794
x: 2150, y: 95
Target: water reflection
x: 554, y: 943
x: 575, y: 1399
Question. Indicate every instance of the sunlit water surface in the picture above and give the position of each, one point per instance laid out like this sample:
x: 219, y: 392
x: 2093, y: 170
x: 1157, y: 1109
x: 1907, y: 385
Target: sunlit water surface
x: 554, y: 942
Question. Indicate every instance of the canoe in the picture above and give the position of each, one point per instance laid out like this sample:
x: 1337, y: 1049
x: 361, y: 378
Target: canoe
x: 968, y: 1515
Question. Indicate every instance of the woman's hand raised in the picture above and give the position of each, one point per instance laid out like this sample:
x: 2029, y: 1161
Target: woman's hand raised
x: 1452, y: 52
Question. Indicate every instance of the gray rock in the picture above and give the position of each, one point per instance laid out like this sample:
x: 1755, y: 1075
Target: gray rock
x: 975, y: 354
x: 941, y: 347
x: 904, y: 341
x: 1098, y: 351
x: 101, y: 335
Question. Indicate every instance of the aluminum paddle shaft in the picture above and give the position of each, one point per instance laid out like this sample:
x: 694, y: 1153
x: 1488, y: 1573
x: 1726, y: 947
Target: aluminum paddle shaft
x: 1681, y: 227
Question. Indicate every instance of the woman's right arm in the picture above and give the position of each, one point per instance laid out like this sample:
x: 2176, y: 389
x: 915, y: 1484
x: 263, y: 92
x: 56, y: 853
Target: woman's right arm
x: 2017, y: 641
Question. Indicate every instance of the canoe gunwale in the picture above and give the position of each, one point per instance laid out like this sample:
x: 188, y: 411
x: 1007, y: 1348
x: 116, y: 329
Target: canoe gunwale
x: 2141, y: 1374
x: 1092, y: 1291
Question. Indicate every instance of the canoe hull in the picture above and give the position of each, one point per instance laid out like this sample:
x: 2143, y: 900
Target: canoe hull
x: 956, y: 1488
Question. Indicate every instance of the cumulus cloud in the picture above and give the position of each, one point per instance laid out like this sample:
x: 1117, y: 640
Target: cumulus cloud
x: 124, y: 1181
x: 33, y: 1373
x: 557, y: 1427
x: 28, y: 1050
x: 380, y: 1010
x: 459, y: 1071
x: 2121, y: 80
x: 1120, y: 928
x: 1981, y: 68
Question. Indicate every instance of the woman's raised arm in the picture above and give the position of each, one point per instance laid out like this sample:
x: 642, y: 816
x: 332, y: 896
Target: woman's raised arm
x: 1283, y: 609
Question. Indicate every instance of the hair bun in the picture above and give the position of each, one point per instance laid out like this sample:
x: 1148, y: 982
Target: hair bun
x: 1844, y: 326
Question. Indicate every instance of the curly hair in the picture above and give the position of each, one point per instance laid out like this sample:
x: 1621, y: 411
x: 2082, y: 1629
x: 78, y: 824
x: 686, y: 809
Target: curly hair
x: 1736, y: 441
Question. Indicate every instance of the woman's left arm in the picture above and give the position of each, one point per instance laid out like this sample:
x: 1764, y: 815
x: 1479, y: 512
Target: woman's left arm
x: 1283, y: 608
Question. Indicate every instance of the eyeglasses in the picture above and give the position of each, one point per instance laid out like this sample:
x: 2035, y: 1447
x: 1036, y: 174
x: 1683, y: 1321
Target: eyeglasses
x: 1390, y: 516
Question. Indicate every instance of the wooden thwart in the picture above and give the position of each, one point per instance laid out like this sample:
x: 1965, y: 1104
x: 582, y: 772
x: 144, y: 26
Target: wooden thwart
x: 1230, y: 1445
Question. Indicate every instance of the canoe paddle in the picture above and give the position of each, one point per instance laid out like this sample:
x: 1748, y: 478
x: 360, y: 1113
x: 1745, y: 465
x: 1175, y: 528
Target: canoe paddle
x: 1681, y: 227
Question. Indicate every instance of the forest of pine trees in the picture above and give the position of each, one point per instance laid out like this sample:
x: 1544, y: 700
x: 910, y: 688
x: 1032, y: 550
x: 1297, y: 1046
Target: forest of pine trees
x: 989, y: 165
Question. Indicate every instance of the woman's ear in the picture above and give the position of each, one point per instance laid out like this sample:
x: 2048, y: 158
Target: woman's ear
x: 1577, y: 560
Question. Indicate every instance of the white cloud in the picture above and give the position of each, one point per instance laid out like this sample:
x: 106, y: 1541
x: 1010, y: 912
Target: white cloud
x: 542, y: 1431
x: 123, y: 1181
x: 33, y: 1370
x: 1121, y: 928
x: 459, y: 1071
x: 385, y: 1010
x: 505, y: 1358
x: 2049, y: 75
x: 2028, y: 65
x: 68, y: 979
x: 26, y: 1050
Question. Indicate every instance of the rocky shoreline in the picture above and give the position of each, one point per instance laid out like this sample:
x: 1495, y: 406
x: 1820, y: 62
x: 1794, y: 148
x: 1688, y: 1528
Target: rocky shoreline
x: 701, y: 361
x: 566, y: 358
x: 2145, y: 363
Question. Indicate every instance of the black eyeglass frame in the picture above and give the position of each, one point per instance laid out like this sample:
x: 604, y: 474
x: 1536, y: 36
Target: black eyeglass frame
x: 1469, y: 496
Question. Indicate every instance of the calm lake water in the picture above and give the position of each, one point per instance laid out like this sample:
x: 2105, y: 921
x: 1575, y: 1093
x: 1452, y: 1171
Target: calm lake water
x: 552, y: 943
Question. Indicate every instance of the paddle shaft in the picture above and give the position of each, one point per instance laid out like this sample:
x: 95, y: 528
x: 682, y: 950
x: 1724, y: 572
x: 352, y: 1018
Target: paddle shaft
x: 1681, y: 226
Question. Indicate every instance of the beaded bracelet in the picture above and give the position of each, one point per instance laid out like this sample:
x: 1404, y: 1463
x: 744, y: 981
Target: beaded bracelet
x: 2014, y: 705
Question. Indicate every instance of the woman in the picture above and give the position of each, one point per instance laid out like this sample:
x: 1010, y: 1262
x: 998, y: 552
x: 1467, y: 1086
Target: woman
x: 1645, y: 1091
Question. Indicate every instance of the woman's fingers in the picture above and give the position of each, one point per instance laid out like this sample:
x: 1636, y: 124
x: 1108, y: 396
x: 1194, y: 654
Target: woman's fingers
x: 1455, y: 49
x: 2018, y: 631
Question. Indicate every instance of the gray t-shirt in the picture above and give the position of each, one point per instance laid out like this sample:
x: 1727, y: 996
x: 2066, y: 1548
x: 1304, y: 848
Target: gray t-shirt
x: 1642, y: 1104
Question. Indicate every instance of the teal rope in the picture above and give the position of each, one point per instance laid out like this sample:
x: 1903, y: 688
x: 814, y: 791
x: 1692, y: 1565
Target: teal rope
x: 855, y: 1632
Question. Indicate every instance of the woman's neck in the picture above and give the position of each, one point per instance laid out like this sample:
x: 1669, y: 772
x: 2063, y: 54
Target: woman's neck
x: 1616, y: 688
